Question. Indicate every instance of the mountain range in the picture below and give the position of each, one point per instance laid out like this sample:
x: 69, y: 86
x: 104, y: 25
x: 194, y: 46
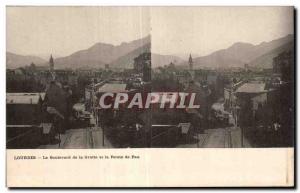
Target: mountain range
x: 161, y: 60
x: 15, y: 61
x: 100, y: 54
x: 266, y: 60
x: 126, y: 61
x: 122, y: 56
x: 241, y: 53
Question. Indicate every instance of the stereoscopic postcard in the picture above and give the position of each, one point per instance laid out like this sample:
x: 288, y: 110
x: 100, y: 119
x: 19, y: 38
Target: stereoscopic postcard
x: 150, y: 96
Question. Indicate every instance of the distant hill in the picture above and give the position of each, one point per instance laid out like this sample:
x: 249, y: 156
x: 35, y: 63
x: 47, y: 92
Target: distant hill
x: 15, y: 61
x: 127, y: 60
x: 185, y: 56
x: 122, y: 56
x: 161, y: 60
x: 266, y: 60
x: 238, y: 54
x: 100, y: 54
x: 157, y: 60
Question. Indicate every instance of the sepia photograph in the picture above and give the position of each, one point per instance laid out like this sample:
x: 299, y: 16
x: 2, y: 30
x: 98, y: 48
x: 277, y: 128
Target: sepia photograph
x: 149, y: 96
x: 149, y: 77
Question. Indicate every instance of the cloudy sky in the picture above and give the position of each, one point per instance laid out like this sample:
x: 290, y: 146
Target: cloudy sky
x: 174, y: 30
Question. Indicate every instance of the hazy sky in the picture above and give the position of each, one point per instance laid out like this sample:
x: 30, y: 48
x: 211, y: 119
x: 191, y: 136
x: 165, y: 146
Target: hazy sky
x: 174, y: 30
x: 64, y: 30
x: 202, y: 30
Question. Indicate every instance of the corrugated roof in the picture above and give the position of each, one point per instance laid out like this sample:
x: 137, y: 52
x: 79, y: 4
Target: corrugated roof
x: 113, y: 88
x: 252, y: 88
x: 23, y: 98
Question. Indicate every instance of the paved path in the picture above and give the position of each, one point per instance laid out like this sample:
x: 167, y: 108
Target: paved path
x: 92, y: 138
x: 219, y: 138
x: 96, y: 139
x: 215, y: 138
x: 85, y: 138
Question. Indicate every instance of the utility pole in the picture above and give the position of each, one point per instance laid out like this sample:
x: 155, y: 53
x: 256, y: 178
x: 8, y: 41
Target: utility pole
x: 236, y: 112
x: 149, y: 117
x: 103, y: 144
x: 198, y: 139
x: 242, y: 136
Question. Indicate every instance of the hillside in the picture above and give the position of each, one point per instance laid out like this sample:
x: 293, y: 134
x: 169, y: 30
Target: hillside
x: 15, y: 61
x: 127, y: 60
x: 238, y: 54
x: 122, y: 56
x: 161, y: 60
x: 266, y: 60
x: 100, y: 54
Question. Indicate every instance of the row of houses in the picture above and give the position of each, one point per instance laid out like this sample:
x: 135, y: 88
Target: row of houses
x: 33, y: 116
x: 262, y: 104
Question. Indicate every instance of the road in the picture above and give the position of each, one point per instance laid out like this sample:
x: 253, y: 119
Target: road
x: 85, y: 138
x: 229, y: 137
x: 92, y: 138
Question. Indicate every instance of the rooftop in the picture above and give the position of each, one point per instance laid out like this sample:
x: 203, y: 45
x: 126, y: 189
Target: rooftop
x: 113, y: 88
x: 252, y: 88
x: 24, y: 98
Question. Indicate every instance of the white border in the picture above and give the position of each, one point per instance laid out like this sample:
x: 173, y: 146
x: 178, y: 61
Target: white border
x: 145, y: 2
x: 108, y: 3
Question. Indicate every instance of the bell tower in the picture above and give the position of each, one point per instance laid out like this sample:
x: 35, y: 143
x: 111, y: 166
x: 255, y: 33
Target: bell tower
x: 191, y: 62
x: 51, y: 63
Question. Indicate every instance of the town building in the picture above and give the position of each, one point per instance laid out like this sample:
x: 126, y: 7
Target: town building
x: 283, y: 64
x: 23, y: 119
x: 250, y: 97
x: 142, y: 64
